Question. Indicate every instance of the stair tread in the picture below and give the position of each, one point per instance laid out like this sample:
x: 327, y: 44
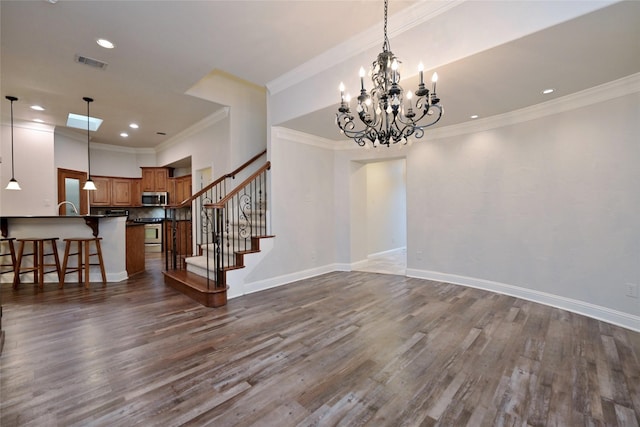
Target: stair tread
x: 194, y: 280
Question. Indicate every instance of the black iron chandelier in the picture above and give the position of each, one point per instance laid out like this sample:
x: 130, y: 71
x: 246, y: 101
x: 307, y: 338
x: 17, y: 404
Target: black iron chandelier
x: 385, y: 118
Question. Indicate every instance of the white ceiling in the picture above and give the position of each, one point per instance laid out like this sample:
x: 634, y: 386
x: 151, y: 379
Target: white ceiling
x: 164, y: 47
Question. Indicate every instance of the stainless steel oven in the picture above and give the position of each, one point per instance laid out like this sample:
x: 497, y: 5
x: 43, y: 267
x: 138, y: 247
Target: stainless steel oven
x: 153, y: 237
x: 152, y: 234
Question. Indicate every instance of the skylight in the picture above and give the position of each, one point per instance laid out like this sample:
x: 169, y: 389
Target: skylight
x: 79, y: 121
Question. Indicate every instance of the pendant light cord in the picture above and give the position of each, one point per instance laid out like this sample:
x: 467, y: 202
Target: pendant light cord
x: 88, y: 139
x: 12, y: 161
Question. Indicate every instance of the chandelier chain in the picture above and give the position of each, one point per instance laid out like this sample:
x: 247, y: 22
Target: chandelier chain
x: 385, y: 45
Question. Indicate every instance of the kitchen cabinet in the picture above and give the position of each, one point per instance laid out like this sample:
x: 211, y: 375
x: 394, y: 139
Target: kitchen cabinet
x: 155, y: 179
x: 135, y: 261
x: 115, y: 191
x: 121, y: 192
x: 136, y: 197
x: 179, y: 189
x: 102, y: 195
x: 184, y: 238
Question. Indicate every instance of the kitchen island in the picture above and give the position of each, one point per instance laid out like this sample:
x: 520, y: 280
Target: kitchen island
x: 112, y: 230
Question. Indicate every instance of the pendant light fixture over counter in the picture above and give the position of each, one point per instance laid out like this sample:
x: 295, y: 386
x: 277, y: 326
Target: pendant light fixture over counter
x: 13, y: 184
x: 89, y: 185
x: 384, y: 117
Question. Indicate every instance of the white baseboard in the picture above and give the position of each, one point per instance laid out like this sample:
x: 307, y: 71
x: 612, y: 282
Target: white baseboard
x: 261, y: 285
x: 605, y: 314
x: 387, y: 253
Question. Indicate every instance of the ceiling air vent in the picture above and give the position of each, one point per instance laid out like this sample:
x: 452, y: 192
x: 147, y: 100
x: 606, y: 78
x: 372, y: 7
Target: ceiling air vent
x: 91, y: 62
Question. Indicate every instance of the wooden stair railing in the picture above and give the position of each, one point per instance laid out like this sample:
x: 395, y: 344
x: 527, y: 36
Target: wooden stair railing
x: 227, y: 225
x: 239, y: 220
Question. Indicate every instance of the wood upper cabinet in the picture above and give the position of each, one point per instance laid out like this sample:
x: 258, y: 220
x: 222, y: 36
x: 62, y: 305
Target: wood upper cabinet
x: 121, y: 192
x: 136, y: 197
x: 114, y: 191
x: 155, y: 179
x: 102, y: 195
x: 183, y: 188
x: 179, y: 189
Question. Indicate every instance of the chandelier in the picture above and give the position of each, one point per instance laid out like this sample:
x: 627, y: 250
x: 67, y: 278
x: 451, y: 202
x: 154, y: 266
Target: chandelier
x: 384, y: 117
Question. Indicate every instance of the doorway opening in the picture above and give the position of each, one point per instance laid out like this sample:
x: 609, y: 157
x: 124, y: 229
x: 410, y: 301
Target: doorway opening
x: 379, y: 216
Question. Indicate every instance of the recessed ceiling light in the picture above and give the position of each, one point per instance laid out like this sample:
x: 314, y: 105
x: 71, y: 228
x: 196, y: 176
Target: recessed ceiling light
x: 134, y: 126
x: 37, y: 108
x: 475, y: 116
x: 38, y: 120
x: 548, y: 91
x: 124, y: 134
x: 105, y: 43
x: 79, y: 121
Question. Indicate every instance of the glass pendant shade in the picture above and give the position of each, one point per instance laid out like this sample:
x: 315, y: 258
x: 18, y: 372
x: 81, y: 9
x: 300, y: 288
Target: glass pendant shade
x: 89, y: 185
x: 13, y: 185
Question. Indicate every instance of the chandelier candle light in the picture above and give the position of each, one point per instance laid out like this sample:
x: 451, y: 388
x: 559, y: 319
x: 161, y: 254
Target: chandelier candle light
x: 385, y: 118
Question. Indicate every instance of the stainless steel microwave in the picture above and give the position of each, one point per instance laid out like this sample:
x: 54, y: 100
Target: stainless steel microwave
x: 159, y: 198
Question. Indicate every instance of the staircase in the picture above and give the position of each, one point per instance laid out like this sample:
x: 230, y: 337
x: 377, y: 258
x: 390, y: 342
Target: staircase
x: 227, y: 226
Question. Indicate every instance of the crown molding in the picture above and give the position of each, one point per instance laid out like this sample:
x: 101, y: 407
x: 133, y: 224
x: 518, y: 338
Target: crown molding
x: 121, y: 149
x: 402, y: 21
x: 210, y: 120
x: 25, y: 124
x: 597, y: 94
x: 278, y: 132
x: 202, y: 124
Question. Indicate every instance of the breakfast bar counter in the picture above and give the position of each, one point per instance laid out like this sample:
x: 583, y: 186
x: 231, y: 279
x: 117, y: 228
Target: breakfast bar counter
x: 112, y: 230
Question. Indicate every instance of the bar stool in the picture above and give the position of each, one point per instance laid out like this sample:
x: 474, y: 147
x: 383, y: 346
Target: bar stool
x: 12, y: 253
x: 39, y: 264
x: 84, y: 255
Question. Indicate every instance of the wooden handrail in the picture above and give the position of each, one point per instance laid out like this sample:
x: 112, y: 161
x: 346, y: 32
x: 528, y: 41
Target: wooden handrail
x: 221, y: 203
x: 245, y: 164
x: 232, y: 174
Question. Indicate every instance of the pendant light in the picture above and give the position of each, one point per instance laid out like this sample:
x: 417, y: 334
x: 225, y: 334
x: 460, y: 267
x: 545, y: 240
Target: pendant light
x: 89, y: 185
x: 13, y: 184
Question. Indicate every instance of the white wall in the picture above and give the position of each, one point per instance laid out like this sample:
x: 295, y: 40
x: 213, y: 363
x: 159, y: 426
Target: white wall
x: 70, y: 151
x: 107, y: 160
x: 302, y: 209
x: 207, y: 144
x: 247, y: 112
x: 549, y: 205
x: 34, y: 171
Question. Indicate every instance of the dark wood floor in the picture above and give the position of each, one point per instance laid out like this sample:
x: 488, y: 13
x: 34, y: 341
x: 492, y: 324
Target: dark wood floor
x: 340, y: 349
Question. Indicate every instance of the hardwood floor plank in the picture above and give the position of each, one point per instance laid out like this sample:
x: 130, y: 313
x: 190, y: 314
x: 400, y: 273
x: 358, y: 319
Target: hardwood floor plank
x: 341, y: 349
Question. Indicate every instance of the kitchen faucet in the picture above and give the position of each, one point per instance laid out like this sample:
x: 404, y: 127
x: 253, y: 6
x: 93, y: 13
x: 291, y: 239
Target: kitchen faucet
x: 75, y: 211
